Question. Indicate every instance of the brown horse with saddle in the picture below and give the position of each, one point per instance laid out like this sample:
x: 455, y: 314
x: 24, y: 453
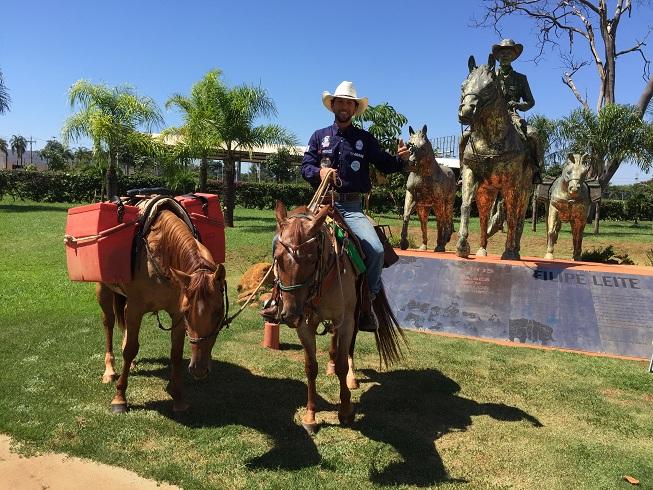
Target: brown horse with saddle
x: 317, y: 282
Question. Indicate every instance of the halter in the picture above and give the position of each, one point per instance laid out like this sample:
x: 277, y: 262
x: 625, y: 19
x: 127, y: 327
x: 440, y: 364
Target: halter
x: 294, y: 251
x: 220, y: 324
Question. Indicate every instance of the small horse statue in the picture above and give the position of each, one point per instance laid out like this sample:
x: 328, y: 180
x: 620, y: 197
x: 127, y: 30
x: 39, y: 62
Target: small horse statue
x: 430, y: 186
x: 318, y: 283
x: 176, y: 273
x: 569, y: 201
x: 494, y: 159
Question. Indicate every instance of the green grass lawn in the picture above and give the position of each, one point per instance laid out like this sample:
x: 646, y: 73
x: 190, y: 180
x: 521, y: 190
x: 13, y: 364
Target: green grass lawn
x: 455, y: 413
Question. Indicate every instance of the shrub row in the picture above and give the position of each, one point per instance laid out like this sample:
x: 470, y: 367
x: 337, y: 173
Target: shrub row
x: 65, y: 187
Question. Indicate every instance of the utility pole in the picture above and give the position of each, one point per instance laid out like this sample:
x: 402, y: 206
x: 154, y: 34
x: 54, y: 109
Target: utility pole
x: 30, y: 141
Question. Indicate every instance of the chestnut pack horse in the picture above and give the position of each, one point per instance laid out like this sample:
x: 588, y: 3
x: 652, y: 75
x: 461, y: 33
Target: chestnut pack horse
x: 174, y: 272
x: 318, y: 283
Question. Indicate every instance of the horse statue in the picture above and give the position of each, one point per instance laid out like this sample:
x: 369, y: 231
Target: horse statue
x: 569, y: 201
x: 430, y: 186
x: 494, y: 159
x: 318, y: 283
x: 173, y: 272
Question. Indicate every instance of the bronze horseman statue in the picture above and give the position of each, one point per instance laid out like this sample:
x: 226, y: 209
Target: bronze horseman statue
x: 499, y: 154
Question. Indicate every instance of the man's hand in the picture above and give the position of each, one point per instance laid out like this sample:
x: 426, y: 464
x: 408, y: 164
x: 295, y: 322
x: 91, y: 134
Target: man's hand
x: 332, y: 174
x: 402, y: 150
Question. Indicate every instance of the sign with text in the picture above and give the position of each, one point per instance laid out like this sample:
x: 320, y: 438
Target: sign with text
x: 572, y: 305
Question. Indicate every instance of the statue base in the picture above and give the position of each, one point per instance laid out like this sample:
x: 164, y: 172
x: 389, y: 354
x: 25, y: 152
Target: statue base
x: 580, y: 306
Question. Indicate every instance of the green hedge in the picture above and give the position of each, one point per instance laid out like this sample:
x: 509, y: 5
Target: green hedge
x: 63, y: 187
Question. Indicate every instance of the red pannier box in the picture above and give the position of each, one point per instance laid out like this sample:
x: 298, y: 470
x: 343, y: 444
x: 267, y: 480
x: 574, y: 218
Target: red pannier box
x: 206, y: 214
x: 99, y: 242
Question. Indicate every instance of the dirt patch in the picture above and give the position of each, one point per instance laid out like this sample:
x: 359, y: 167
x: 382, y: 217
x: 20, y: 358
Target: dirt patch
x: 59, y: 471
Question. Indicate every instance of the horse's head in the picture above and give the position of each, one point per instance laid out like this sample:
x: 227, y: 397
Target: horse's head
x: 298, y: 254
x: 420, y: 148
x: 479, y: 89
x: 575, y: 172
x: 203, y: 307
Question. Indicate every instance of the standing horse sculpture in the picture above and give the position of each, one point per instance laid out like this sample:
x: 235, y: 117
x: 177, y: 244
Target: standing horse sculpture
x: 318, y: 283
x: 176, y: 273
x: 495, y: 159
x: 430, y: 186
x: 569, y: 201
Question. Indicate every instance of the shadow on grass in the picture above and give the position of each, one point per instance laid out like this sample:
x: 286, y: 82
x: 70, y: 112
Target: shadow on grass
x: 409, y: 410
x: 232, y: 395
x: 30, y: 208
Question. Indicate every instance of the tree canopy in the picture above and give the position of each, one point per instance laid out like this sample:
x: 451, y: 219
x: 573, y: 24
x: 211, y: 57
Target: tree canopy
x: 111, y: 117
x: 4, y: 95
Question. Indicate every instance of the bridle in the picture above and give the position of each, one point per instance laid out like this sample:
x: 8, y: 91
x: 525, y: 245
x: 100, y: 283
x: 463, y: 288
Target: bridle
x: 221, y: 323
x: 314, y: 280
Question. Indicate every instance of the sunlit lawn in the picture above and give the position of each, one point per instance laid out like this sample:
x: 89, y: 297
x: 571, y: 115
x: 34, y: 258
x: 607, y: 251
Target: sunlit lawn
x: 453, y: 412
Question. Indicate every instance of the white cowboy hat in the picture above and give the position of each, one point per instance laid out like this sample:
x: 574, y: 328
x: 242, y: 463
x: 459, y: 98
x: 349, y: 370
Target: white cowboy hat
x: 345, y: 90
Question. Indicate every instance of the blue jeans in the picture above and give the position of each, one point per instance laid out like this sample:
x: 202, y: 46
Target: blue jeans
x: 353, y: 214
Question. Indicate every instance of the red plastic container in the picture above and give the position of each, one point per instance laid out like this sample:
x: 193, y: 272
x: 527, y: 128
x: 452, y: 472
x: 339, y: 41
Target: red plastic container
x: 99, y: 242
x: 206, y: 214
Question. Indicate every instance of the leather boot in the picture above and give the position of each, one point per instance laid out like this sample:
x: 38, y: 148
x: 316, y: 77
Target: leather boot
x: 367, y: 320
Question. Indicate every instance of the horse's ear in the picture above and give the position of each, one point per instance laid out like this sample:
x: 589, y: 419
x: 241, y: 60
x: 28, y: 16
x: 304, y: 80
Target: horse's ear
x: 586, y: 160
x: 571, y: 157
x: 424, y: 130
x: 411, y: 131
x: 318, y: 221
x: 471, y: 63
x: 491, y: 61
x: 219, y: 275
x: 281, y: 212
x: 181, y: 277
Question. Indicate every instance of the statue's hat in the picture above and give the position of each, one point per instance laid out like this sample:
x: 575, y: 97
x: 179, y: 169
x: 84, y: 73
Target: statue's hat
x: 508, y: 45
x: 345, y: 90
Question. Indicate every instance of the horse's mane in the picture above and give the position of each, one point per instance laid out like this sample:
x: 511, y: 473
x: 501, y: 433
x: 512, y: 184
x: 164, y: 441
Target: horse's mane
x: 175, y: 246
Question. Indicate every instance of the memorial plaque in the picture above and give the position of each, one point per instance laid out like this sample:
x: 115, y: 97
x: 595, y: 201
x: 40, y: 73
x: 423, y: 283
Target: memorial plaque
x: 573, y: 305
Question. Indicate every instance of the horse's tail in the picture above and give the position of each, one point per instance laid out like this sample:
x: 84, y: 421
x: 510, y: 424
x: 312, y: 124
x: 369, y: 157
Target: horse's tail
x: 389, y: 336
x: 119, y: 303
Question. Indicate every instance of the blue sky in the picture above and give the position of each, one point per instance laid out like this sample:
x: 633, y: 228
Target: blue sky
x: 411, y: 54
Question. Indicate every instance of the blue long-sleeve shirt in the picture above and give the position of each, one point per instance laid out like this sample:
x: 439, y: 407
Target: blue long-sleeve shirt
x: 350, y: 151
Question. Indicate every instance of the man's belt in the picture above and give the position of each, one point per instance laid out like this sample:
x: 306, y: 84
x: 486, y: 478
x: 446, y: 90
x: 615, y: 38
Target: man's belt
x: 341, y: 197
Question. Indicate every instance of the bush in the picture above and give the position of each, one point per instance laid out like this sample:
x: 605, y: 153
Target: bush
x: 606, y: 256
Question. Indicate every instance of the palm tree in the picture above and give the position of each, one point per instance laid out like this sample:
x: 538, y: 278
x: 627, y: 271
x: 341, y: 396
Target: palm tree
x: 19, y: 145
x: 614, y: 134
x: 228, y: 116
x: 194, y: 133
x: 4, y: 96
x: 5, y: 149
x: 110, y: 116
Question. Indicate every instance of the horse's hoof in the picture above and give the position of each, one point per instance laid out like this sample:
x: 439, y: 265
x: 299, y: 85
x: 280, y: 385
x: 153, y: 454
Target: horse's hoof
x: 180, y: 407
x: 549, y: 256
x: 422, y: 247
x: 352, y: 383
x: 439, y: 248
x: 510, y: 256
x: 119, y: 408
x: 311, y: 428
x: 108, y: 378
x: 481, y: 252
x: 403, y: 244
x: 346, y: 420
x: 330, y: 368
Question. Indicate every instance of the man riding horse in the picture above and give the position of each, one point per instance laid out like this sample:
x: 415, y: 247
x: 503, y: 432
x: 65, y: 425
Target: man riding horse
x: 350, y: 151
x: 518, y: 96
